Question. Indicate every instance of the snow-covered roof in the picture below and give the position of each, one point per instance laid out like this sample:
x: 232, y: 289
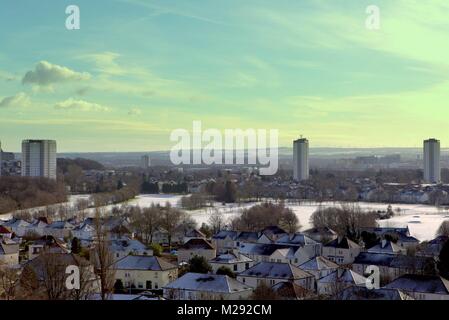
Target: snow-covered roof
x: 385, y: 246
x: 143, y: 263
x: 297, y: 239
x: 363, y: 293
x: 420, y: 283
x: 208, y: 282
x: 125, y: 244
x: 348, y: 276
x: 275, y: 270
x: 230, y: 258
x: 318, y: 263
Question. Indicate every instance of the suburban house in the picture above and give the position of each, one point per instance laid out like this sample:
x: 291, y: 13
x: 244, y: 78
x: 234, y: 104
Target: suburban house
x: 319, y: 266
x: 193, y: 234
x: 59, y: 229
x: 144, y: 272
x: 400, y: 235
x: 363, y: 293
x: 196, y: 247
x: 5, y: 232
x: 293, y: 254
x: 322, y: 235
x: 9, y: 252
x: 124, y: 246
x: 271, y: 234
x: 18, y: 226
x: 198, y: 286
x: 341, y: 250
x: 422, y: 287
x: 336, y: 281
x: 433, y: 247
x: 272, y: 273
x: 291, y: 291
x: 48, y: 244
x: 39, y: 225
x: 84, y: 231
x: 391, y: 266
x: 306, y: 247
x: 224, y: 240
x: 386, y: 246
x: 235, y: 261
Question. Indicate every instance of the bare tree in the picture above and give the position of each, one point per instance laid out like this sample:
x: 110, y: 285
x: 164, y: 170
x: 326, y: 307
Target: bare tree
x: 216, y: 221
x: 103, y: 256
x: 9, y: 278
x: 170, y: 220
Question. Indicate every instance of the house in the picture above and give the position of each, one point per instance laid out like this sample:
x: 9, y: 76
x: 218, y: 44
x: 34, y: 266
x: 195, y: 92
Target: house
x: 319, y: 266
x: 272, y: 273
x: 335, y: 282
x: 224, y: 240
x: 433, y: 247
x: 9, y: 251
x: 235, y: 261
x: 193, y: 234
x: 144, y: 272
x: 39, y: 224
x: 306, y: 247
x: 84, y: 231
x: 124, y: 246
x: 422, y: 287
x: 401, y: 235
x: 260, y: 252
x: 48, y: 244
x: 386, y: 246
x: 6, y: 232
x: 322, y: 235
x: 196, y: 247
x: 197, y: 286
x: 59, y: 229
x: 392, y: 266
x: 247, y: 237
x: 18, y: 226
x: 341, y: 250
x: 291, y: 291
x: 293, y: 254
x: 271, y: 234
x: 363, y: 293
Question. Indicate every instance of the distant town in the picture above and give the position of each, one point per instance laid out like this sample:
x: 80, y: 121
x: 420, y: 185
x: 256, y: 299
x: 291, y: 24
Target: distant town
x: 320, y: 228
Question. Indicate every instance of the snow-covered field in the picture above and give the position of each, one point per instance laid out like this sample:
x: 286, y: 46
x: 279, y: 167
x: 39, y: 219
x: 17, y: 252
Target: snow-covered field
x: 423, y: 221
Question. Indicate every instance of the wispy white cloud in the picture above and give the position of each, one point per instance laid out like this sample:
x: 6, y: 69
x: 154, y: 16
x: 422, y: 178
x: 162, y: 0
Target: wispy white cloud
x: 72, y: 104
x: 19, y: 100
x: 46, y: 74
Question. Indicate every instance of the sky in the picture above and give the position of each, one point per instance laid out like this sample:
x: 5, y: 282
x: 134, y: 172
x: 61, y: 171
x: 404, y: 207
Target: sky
x: 138, y: 69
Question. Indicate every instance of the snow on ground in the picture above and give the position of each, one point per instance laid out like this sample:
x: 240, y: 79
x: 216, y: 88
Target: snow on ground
x: 422, y: 220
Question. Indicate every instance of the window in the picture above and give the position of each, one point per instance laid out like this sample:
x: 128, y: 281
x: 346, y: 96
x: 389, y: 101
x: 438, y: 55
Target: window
x: 247, y: 266
x: 140, y: 285
x: 243, y: 280
x: 235, y: 267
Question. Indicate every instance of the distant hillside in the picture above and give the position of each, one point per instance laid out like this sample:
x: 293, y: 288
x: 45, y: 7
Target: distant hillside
x: 85, y: 164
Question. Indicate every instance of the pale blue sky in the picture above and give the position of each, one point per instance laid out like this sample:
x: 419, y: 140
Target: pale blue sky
x: 138, y: 69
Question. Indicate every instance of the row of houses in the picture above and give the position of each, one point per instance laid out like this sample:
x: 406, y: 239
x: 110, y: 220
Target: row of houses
x: 311, y: 264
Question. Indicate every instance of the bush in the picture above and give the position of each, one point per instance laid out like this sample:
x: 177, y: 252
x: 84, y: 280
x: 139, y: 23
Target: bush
x: 157, y: 249
x: 226, y: 271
